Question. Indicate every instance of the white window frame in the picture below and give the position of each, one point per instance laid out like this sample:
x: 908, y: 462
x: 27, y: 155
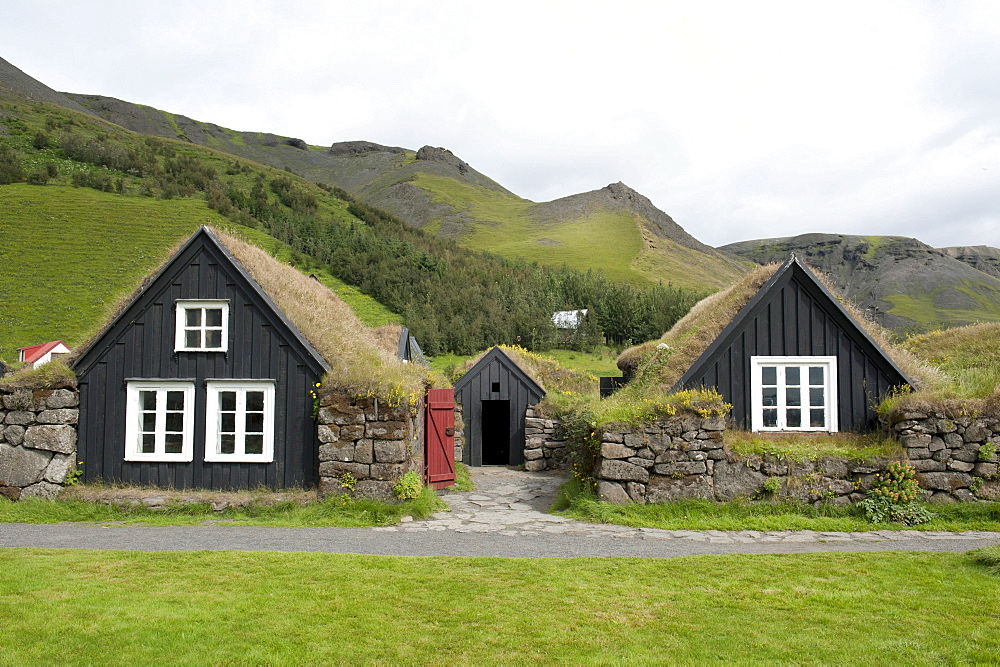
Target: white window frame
x: 803, y: 362
x: 133, y: 431
x: 181, y: 328
x: 212, y: 453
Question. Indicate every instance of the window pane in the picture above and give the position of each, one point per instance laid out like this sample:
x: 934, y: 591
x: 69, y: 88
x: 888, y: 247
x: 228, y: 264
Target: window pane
x: 174, y: 422
x: 816, y: 375
x: 255, y: 422
x: 254, y: 444
x: 792, y: 396
x: 817, y: 417
x: 148, y: 422
x: 792, y: 375
x: 816, y: 396
x: 769, y: 375
x: 148, y: 444
x: 173, y: 443
x: 193, y: 317
x: 213, y: 338
x: 255, y: 401
x: 227, y: 400
x: 769, y: 396
x: 147, y: 400
x: 770, y: 417
x: 192, y: 338
x: 227, y: 422
x: 227, y: 444
x: 793, y: 418
x: 175, y: 400
x: 213, y: 317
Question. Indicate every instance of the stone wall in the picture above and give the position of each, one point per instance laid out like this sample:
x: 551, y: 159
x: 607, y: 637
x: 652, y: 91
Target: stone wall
x: 684, y: 457
x: 459, y: 433
x: 374, y: 443
x: 946, y: 453
x: 37, y: 441
x: 544, y: 449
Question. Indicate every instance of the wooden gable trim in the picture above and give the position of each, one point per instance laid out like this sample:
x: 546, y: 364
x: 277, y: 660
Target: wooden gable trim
x: 497, y: 354
x: 792, y: 268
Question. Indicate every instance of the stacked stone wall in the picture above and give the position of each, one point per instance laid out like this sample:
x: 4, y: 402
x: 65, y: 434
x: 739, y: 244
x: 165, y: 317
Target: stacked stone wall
x: 955, y: 457
x: 366, y: 446
x: 684, y: 457
x: 544, y: 448
x: 37, y: 441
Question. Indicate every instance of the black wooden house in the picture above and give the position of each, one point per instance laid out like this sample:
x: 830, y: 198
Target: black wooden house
x: 200, y: 382
x: 794, y: 359
x: 495, y: 394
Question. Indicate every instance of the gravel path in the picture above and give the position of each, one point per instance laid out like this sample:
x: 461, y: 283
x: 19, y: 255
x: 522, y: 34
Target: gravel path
x: 504, y: 516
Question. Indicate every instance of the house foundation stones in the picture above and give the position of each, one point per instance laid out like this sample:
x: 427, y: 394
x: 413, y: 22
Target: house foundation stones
x: 544, y: 449
x: 37, y: 441
x: 366, y: 446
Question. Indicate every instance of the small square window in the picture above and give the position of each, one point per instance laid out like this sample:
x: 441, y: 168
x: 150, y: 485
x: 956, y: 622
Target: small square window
x: 202, y: 326
x: 793, y: 393
x: 495, y: 388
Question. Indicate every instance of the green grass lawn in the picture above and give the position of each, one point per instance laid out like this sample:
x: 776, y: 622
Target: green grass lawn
x: 85, y: 607
x: 338, y: 511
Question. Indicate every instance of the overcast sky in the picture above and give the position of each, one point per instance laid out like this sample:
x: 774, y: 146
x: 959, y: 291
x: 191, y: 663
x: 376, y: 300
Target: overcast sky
x: 739, y: 119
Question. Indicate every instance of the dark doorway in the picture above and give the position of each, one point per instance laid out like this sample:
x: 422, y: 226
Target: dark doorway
x: 496, y: 433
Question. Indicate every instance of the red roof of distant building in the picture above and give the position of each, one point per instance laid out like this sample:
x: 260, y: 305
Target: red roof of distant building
x: 33, y: 353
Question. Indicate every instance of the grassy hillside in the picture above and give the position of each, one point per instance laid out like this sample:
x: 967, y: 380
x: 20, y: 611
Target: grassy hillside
x: 969, y: 355
x: 434, y: 190
x: 70, y: 254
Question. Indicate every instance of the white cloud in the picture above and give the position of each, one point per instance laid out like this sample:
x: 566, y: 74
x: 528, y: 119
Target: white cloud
x: 739, y: 119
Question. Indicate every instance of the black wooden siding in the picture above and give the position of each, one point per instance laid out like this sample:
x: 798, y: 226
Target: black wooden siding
x: 476, y: 386
x: 795, y: 316
x: 140, y: 345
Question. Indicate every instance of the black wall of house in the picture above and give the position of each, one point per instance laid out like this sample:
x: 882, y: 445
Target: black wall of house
x: 796, y: 318
x: 476, y: 386
x: 140, y: 345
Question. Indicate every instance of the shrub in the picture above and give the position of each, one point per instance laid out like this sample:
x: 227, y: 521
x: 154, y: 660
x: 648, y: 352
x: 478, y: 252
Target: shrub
x: 41, y: 140
x: 772, y: 485
x: 408, y: 487
x: 38, y: 178
x: 987, y: 451
x: 893, y: 497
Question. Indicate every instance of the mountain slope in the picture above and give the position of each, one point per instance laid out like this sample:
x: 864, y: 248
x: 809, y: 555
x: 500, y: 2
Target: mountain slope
x: 906, y: 284
x: 982, y: 257
x: 614, y: 229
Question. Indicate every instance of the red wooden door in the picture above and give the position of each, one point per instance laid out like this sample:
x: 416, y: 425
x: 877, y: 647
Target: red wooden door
x: 439, y: 438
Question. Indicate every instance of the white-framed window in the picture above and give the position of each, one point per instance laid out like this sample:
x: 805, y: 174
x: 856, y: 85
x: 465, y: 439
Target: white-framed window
x: 793, y: 393
x: 159, y: 422
x: 239, y: 425
x: 202, y: 326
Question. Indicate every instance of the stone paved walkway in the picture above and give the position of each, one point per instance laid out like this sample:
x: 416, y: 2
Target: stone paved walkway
x: 513, y: 502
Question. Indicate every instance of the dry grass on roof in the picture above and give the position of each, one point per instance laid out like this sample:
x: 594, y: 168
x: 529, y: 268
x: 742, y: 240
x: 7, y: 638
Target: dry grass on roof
x: 359, y: 362
x: 546, y: 371
x: 692, y: 334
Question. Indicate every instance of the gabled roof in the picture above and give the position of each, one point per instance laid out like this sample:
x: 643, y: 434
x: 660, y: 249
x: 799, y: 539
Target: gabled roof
x: 33, y: 353
x: 327, y: 328
x: 793, y: 264
x: 697, y: 335
x: 496, y: 354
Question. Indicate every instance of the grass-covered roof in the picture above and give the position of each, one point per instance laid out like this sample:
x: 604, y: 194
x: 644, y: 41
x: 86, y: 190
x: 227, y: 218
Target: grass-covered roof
x: 550, y: 375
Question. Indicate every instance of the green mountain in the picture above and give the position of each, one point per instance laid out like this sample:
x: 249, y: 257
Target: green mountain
x: 907, y: 285
x: 90, y: 206
x: 614, y: 229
